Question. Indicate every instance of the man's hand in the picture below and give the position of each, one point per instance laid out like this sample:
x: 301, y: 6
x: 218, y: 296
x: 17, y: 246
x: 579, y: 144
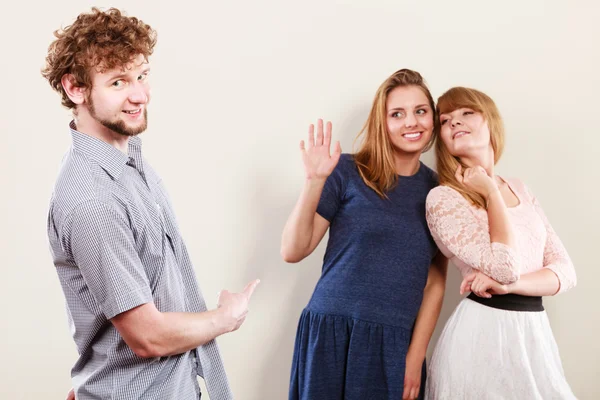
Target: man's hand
x: 235, y: 305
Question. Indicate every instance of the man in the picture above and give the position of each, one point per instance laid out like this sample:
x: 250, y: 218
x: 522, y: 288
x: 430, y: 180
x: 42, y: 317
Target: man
x: 136, y: 313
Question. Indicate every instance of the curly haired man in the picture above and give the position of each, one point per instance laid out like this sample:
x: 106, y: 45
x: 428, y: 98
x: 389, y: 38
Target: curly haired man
x: 136, y: 313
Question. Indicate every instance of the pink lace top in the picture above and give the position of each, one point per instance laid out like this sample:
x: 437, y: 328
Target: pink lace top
x: 461, y: 231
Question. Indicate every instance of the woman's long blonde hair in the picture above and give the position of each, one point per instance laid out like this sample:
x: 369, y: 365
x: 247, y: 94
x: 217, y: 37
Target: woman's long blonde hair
x: 461, y: 97
x: 375, y: 157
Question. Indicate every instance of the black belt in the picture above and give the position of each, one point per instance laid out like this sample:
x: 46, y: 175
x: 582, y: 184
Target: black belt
x: 510, y: 302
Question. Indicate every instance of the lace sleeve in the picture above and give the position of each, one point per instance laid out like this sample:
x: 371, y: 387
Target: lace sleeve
x: 452, y: 223
x: 556, y: 257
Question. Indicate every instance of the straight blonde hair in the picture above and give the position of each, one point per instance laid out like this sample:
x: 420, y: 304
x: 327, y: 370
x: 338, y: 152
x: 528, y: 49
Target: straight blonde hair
x: 375, y: 157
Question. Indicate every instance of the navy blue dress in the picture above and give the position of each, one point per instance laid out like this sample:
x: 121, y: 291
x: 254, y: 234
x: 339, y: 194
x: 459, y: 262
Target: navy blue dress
x: 353, y: 335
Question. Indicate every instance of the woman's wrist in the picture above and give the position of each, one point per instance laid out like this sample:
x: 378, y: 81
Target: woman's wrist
x: 489, y: 197
x: 511, y: 287
x: 417, y: 352
x: 314, y: 182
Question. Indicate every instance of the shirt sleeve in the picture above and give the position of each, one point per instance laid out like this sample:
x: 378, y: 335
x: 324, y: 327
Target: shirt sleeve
x: 102, y: 245
x: 556, y: 257
x: 455, y: 227
x: 333, y: 192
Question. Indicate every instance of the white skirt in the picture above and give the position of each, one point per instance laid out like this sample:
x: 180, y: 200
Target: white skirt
x: 485, y: 353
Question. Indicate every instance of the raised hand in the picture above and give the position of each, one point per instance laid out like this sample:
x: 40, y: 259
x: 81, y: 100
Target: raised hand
x: 476, y: 179
x: 235, y: 305
x: 318, y: 162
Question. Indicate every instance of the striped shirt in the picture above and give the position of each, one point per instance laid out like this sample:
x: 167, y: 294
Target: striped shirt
x: 116, y: 245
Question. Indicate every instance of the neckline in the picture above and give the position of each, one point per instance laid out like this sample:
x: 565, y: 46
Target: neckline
x: 413, y: 175
x: 514, y: 192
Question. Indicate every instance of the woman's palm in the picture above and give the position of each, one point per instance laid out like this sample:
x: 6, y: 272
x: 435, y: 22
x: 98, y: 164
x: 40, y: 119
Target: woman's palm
x: 318, y: 162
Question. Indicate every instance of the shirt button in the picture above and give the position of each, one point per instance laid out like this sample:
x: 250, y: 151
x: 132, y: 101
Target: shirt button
x: 158, y: 206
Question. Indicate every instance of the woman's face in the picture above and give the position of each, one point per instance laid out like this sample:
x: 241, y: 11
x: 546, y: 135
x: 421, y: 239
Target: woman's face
x: 465, y: 132
x: 409, y: 119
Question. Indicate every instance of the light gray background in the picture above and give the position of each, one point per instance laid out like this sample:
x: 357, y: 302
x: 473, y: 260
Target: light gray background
x: 235, y: 85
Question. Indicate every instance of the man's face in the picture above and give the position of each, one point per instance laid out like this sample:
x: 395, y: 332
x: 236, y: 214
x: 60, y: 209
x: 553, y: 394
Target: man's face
x: 119, y: 97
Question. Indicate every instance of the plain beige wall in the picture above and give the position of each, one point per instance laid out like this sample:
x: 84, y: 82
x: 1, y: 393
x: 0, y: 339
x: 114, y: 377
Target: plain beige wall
x: 234, y: 86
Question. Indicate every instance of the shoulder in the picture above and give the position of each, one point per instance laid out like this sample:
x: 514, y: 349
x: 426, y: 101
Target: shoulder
x: 75, y: 183
x: 88, y: 218
x: 81, y: 187
x: 430, y: 175
x: 519, y: 187
x: 347, y: 161
x: 346, y: 166
x: 442, y: 194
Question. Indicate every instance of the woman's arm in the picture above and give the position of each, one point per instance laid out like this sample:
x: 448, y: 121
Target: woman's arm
x: 425, y: 324
x: 305, y: 228
x: 539, y: 283
x: 556, y: 257
x: 455, y: 227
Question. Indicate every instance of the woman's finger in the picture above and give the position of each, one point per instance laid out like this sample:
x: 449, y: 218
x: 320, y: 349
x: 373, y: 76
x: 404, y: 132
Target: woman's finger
x: 319, y: 141
x: 458, y: 174
x: 311, y: 136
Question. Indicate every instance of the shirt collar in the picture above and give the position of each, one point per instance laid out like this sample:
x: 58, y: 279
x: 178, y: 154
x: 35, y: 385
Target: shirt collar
x: 111, y: 159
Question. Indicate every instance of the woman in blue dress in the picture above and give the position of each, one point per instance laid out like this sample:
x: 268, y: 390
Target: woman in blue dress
x: 365, y: 331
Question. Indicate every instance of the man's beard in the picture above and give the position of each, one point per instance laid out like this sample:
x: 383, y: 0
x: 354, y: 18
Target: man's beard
x: 119, y: 126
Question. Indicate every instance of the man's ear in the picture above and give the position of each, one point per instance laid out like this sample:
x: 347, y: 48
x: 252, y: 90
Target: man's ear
x: 75, y: 93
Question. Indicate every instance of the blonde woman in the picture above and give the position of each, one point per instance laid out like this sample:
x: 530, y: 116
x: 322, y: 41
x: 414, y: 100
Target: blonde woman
x: 498, y: 343
x: 365, y: 331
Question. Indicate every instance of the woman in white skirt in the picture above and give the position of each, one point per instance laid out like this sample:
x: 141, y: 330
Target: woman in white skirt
x: 498, y: 343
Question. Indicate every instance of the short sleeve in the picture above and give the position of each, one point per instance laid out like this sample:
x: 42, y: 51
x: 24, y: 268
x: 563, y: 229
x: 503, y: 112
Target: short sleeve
x: 102, y: 246
x: 333, y: 192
